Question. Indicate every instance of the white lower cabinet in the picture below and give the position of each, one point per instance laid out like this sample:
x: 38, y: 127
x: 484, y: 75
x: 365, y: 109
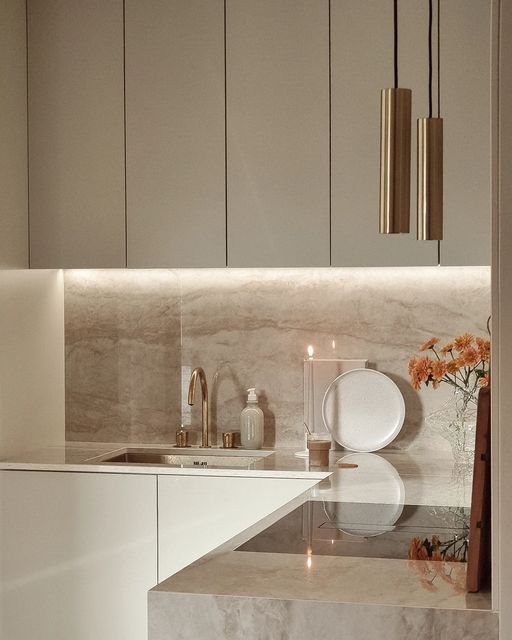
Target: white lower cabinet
x: 80, y: 551
x: 77, y: 555
x: 197, y: 514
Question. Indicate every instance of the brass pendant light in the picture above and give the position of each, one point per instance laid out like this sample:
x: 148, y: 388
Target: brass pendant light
x: 395, y: 151
x: 430, y: 155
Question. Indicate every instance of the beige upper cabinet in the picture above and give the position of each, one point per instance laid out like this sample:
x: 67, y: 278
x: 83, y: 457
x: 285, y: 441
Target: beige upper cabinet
x: 362, y: 65
x: 175, y: 134
x: 13, y: 134
x: 241, y: 133
x: 76, y: 133
x: 277, y: 87
x: 466, y: 109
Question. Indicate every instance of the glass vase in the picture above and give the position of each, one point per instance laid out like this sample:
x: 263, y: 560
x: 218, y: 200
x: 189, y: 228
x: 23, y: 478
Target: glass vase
x: 456, y: 422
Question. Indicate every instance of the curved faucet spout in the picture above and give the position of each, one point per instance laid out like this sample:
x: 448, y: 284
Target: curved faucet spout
x: 199, y: 373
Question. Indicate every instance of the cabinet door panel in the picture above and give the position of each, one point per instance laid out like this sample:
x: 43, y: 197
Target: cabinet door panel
x: 13, y: 134
x: 277, y: 60
x: 197, y: 514
x: 175, y: 164
x: 466, y: 109
x: 77, y: 555
x: 76, y: 133
x: 362, y: 65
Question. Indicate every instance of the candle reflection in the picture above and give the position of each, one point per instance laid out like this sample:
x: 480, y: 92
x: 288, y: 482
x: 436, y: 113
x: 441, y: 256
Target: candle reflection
x: 309, y: 560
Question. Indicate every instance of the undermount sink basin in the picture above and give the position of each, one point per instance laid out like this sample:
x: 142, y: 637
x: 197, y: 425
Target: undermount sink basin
x: 188, y: 458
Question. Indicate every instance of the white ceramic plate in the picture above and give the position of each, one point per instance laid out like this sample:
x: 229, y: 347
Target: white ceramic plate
x: 367, y: 500
x: 363, y: 409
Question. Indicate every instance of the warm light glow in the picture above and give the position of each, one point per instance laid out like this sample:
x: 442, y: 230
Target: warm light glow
x: 311, y: 351
x: 309, y: 561
x: 333, y: 345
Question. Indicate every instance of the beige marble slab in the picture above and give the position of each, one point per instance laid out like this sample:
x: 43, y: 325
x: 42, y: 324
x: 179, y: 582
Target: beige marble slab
x: 123, y: 355
x: 131, y: 334
x: 209, y: 617
x: 88, y: 457
x: 329, y: 579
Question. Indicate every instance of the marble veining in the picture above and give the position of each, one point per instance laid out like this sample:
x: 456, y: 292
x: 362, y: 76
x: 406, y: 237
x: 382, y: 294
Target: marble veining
x: 182, y: 617
x: 122, y: 356
x: 327, y: 578
x: 129, y: 335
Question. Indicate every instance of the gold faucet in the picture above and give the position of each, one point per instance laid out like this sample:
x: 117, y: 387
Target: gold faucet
x: 199, y: 373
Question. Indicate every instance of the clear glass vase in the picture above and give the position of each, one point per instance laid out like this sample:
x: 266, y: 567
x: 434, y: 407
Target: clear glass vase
x: 456, y: 422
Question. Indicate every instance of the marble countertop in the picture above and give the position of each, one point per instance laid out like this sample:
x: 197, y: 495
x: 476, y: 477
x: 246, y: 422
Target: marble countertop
x: 87, y: 457
x: 427, y: 480
x: 231, y: 572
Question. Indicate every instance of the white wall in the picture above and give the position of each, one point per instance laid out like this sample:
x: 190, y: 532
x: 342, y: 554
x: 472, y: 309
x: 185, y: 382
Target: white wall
x: 13, y: 136
x: 31, y: 360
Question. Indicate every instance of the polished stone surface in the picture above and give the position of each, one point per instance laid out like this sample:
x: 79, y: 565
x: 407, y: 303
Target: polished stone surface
x: 122, y: 355
x: 210, y: 617
x: 329, y: 579
x: 88, y: 457
x: 131, y: 336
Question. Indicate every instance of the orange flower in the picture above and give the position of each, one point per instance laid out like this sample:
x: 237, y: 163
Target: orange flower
x: 438, y: 369
x: 416, y: 550
x: 470, y: 357
x: 412, y: 365
x: 484, y: 381
x: 429, y: 344
x: 453, y: 366
x: 421, y: 372
x: 484, y: 347
x: 447, y: 348
x: 463, y: 342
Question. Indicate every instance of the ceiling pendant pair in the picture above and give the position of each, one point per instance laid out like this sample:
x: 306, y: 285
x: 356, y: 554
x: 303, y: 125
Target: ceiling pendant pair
x: 395, y: 153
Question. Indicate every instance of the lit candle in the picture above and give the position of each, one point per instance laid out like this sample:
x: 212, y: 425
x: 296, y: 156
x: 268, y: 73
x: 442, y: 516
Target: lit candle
x: 309, y: 561
x: 311, y: 392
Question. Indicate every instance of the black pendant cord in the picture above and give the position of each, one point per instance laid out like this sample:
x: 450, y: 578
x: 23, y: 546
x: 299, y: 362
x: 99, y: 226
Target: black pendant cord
x: 429, y: 58
x: 395, y: 42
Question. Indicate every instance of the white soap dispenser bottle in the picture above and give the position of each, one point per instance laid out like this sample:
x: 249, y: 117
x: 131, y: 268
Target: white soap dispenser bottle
x: 251, y: 423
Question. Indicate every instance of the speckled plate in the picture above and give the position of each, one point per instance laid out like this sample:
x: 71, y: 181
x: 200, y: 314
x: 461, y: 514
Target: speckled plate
x: 364, y: 410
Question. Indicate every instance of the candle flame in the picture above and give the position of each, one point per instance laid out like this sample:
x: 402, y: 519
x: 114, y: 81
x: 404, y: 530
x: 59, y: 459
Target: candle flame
x: 309, y: 560
x: 334, y: 344
x: 311, y: 351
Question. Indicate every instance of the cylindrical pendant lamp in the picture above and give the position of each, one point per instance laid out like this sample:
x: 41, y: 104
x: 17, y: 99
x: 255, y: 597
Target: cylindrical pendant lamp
x: 395, y: 151
x: 430, y: 179
x: 395, y: 160
x: 430, y: 154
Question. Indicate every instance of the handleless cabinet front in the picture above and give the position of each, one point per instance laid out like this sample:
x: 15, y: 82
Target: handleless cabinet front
x: 362, y: 65
x: 78, y: 554
x: 76, y: 134
x: 277, y: 88
x: 175, y: 160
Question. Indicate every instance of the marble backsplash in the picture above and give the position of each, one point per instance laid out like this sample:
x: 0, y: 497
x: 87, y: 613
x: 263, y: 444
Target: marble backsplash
x: 132, y: 338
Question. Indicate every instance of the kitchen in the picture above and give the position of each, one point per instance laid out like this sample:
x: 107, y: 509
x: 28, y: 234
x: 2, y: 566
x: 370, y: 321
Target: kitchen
x: 270, y: 167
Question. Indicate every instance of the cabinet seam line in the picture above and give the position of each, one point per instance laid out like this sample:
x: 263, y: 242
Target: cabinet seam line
x: 124, y: 141
x: 225, y: 135
x: 330, y: 134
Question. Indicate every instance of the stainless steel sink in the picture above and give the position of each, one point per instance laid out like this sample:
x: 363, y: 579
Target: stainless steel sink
x: 189, y: 458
